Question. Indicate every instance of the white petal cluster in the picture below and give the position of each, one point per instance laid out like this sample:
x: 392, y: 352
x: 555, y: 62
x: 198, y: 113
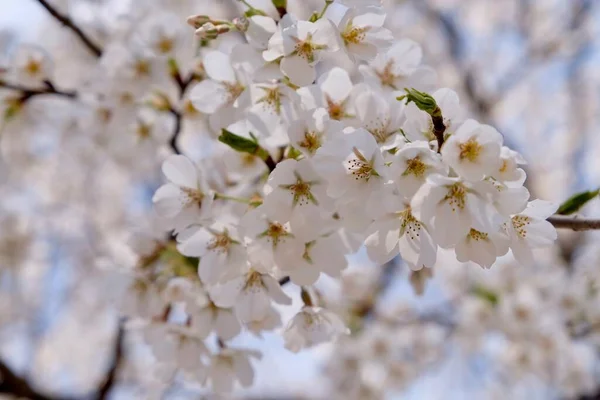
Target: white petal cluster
x: 351, y: 164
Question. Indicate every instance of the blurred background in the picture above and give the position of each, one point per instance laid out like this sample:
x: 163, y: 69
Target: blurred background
x: 528, y: 67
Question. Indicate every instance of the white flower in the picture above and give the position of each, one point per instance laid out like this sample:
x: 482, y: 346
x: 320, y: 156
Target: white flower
x: 260, y: 29
x: 269, y: 241
x: 382, y: 117
x: 31, y: 65
x: 311, y: 129
x: 412, y: 164
x: 312, y: 326
x: 509, y: 170
x: 295, y: 193
x: 303, y: 43
x: 273, y: 107
x: 208, y: 317
x: 185, y: 198
x: 419, y: 126
x: 176, y: 345
x: 530, y: 229
x: 451, y: 207
x: 218, y: 95
x: 323, y: 254
x: 231, y: 365
x: 271, y: 321
x: 473, y: 151
x: 398, y: 68
x: 250, y: 295
x: 333, y: 91
x: 400, y: 232
x: 353, y: 167
x: 220, y: 248
x: 361, y: 29
x: 481, y: 248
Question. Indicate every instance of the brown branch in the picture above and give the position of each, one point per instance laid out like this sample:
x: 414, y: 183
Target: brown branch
x: 11, y: 383
x: 574, y: 223
x: 17, y: 386
x: 48, y: 89
x: 68, y: 22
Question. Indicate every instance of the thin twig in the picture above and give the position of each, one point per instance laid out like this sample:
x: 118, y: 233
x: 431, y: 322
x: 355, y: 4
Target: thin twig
x: 68, y: 22
x: 117, y: 358
x: 574, y: 223
x: 48, y: 88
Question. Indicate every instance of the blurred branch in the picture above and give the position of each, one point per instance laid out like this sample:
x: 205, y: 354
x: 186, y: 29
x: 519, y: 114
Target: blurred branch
x: 182, y: 85
x: 11, y: 383
x: 68, y: 22
x: 117, y: 358
x: 48, y: 88
x: 574, y: 223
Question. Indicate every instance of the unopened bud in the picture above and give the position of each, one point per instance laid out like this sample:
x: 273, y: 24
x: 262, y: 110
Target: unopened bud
x: 241, y: 23
x: 422, y: 100
x: 198, y: 20
x: 209, y: 31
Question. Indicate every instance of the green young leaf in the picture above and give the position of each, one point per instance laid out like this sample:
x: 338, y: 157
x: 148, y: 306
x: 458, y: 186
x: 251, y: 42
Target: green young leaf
x: 422, y: 100
x: 279, y: 3
x: 485, y: 294
x: 243, y: 144
x: 575, y: 202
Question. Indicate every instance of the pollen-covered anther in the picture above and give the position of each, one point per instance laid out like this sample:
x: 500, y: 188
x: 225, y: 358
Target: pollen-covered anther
x: 311, y: 142
x: 386, y: 75
x: 477, y: 235
x: 354, y: 35
x: 456, y: 196
x: 234, y: 90
x: 193, y: 196
x: 360, y: 167
x: 416, y: 167
x: 520, y: 223
x: 470, y: 150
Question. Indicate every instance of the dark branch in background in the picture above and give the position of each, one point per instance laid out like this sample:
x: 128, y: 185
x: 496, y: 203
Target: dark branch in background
x: 117, y: 358
x: 182, y: 85
x: 48, y: 88
x: 574, y: 223
x: 11, y: 383
x: 68, y: 22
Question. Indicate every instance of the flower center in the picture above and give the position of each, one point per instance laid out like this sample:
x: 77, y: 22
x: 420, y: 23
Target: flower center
x: 194, y: 196
x: 33, y: 67
x: 141, y: 68
x: 220, y: 242
x: 275, y: 233
x: 234, y: 90
x: 520, y: 223
x: 354, y: 35
x: 254, y: 281
x: 410, y: 225
x: 311, y: 142
x: 476, y: 235
x: 470, y: 150
x: 456, y: 196
x: 386, y: 76
x: 272, y: 98
x: 301, y: 191
x: 306, y: 255
x: 306, y: 48
x: 337, y: 111
x: 143, y: 131
x: 165, y: 45
x: 360, y: 167
x: 415, y: 167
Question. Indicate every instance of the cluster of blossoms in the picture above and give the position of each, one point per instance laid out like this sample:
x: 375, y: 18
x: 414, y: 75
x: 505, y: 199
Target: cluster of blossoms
x: 335, y: 148
x: 317, y: 136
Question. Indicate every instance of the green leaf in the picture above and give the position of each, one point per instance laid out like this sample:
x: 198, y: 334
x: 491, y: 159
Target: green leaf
x: 575, y: 202
x: 486, y: 294
x: 254, y: 11
x: 243, y: 144
x: 279, y: 3
x: 422, y: 100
